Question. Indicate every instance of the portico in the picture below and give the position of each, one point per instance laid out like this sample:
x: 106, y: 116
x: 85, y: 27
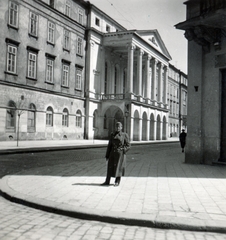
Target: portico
x: 135, y: 65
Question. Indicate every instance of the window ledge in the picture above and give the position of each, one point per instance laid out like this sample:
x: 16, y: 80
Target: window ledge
x: 79, y: 54
x: 33, y: 36
x: 13, y: 27
x: 9, y: 73
x: 50, y: 83
x: 64, y: 86
x: 66, y: 50
x: 50, y: 43
x: 34, y: 79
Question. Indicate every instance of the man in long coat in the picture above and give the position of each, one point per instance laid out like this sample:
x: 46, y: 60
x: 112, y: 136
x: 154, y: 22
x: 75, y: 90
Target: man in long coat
x: 182, y: 138
x: 117, y: 147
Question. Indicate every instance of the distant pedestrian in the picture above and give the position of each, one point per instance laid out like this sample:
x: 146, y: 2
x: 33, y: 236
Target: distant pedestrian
x: 118, y: 145
x: 182, y: 138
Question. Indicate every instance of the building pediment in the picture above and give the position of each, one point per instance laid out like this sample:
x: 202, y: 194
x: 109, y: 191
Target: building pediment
x: 153, y: 38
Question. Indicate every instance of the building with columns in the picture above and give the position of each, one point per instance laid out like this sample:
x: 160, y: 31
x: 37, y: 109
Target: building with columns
x: 127, y: 80
x: 205, y: 30
x: 69, y: 71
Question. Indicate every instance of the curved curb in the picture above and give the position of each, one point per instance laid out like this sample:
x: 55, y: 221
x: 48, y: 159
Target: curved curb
x: 130, y: 219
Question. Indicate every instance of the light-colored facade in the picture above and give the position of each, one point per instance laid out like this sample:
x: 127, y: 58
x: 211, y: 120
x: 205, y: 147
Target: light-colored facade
x: 42, y: 69
x: 128, y: 80
x: 205, y: 29
x: 69, y: 71
x: 177, y: 101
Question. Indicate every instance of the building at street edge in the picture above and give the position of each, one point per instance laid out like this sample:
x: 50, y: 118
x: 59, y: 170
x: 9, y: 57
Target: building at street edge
x: 205, y: 30
x: 69, y: 71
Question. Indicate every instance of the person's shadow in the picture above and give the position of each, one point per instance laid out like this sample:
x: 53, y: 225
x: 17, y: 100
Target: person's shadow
x: 90, y: 184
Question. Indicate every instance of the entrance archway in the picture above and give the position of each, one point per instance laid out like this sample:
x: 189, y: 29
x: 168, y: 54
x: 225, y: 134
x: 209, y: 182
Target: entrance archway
x: 112, y: 115
x: 164, y: 137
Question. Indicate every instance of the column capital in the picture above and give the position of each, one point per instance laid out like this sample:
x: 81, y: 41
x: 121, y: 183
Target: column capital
x: 141, y: 52
x: 160, y: 64
x: 148, y: 57
x: 131, y: 46
x: 154, y: 61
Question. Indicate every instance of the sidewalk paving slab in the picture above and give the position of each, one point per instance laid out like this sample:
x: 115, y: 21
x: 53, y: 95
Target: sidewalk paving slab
x: 158, y: 201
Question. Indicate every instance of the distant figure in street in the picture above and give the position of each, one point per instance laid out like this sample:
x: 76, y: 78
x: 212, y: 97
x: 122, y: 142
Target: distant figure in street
x: 182, y: 137
x: 117, y: 147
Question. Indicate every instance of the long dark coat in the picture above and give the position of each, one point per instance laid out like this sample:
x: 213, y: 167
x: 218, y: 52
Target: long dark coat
x: 183, y: 139
x: 118, y: 145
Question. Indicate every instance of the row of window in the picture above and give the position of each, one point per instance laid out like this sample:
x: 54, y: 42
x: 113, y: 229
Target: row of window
x: 32, y: 57
x: 33, y: 29
x: 31, y: 117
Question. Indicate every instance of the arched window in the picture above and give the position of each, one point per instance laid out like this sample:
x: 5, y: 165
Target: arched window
x: 31, y: 117
x: 78, y: 119
x: 65, y: 118
x: 49, y: 117
x: 11, y: 115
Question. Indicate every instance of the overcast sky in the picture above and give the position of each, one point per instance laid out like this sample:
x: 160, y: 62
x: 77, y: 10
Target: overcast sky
x: 152, y: 14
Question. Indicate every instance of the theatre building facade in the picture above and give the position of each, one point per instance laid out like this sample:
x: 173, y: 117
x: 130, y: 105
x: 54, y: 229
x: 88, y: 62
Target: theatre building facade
x: 128, y: 80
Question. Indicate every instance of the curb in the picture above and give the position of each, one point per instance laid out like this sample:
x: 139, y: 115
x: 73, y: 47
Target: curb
x: 69, y: 147
x: 129, y: 219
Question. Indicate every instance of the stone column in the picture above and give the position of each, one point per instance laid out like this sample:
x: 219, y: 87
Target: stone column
x: 155, y: 130
x: 129, y: 84
x: 148, y: 80
x: 160, y: 83
x: 153, y: 94
x: 139, y: 71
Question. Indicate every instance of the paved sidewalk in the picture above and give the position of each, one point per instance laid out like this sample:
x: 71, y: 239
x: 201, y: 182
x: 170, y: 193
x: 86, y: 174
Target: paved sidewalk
x: 156, y: 192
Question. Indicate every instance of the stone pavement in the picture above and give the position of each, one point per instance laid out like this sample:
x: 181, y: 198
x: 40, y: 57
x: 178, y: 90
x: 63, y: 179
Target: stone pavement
x: 158, y: 191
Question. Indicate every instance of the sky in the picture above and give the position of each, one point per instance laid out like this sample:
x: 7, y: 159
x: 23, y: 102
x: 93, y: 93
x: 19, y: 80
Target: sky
x: 162, y: 15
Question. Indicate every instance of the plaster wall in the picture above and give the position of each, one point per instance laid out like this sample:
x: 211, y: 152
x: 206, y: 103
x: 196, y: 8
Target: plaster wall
x: 195, y: 75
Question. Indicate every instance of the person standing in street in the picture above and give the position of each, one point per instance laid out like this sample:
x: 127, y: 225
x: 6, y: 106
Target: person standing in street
x: 182, y: 138
x: 118, y: 145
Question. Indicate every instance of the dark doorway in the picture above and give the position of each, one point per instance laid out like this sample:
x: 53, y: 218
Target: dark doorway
x: 223, y: 117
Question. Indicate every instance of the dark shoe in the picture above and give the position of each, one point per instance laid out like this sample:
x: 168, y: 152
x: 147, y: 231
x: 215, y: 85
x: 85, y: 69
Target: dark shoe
x: 116, y: 184
x: 105, y: 184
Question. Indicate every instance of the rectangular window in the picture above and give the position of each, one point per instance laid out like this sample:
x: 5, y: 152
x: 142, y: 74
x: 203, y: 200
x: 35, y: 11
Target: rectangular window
x: 97, y: 21
x: 65, y: 75
x: 11, y: 59
x: 80, y: 16
x: 51, y: 3
x: 49, y: 70
x: 51, y: 32
x: 79, y: 46
x: 78, y: 83
x: 32, y: 65
x: 68, y: 8
x: 33, y: 28
x: 66, y: 39
x: 13, y: 14
x: 107, y: 28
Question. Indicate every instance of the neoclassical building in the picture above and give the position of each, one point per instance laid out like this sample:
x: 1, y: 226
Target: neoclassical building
x: 128, y: 80
x: 69, y: 71
x: 205, y: 30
